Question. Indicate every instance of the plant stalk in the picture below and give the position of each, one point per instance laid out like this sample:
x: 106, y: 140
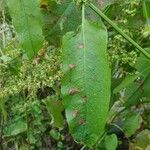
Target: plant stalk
x: 145, y: 11
x: 101, y: 14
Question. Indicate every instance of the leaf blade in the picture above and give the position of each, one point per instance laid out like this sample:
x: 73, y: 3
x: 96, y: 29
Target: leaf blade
x: 86, y: 87
x: 26, y: 18
x: 55, y: 108
x: 111, y: 142
x: 132, y: 123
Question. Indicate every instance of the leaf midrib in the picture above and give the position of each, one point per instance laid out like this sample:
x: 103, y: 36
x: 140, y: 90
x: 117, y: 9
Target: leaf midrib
x: 84, y: 60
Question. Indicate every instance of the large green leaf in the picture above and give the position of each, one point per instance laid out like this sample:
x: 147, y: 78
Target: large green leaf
x: 26, y: 18
x: 86, y: 85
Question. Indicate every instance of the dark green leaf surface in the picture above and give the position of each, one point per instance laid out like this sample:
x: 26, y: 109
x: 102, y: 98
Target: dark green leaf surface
x: 61, y: 18
x: 86, y: 85
x: 26, y: 18
x: 55, y: 108
x: 140, y: 89
x: 16, y: 128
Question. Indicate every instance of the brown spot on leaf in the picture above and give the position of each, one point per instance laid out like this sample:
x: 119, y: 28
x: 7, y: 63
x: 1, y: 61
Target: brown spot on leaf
x: 75, y: 113
x: 72, y: 66
x: 84, y: 98
x: 81, y: 46
x: 73, y: 91
x: 81, y: 122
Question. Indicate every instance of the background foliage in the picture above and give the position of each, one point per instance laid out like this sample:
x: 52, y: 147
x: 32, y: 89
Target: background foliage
x: 31, y: 106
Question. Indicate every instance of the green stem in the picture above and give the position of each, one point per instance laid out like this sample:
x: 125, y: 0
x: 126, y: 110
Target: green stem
x: 100, y: 140
x: 145, y: 12
x: 101, y: 14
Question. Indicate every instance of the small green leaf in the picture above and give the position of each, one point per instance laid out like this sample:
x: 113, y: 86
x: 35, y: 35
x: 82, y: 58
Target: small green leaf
x: 131, y: 124
x: 55, y: 109
x: 111, y: 142
x: 16, y: 128
x: 55, y: 134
